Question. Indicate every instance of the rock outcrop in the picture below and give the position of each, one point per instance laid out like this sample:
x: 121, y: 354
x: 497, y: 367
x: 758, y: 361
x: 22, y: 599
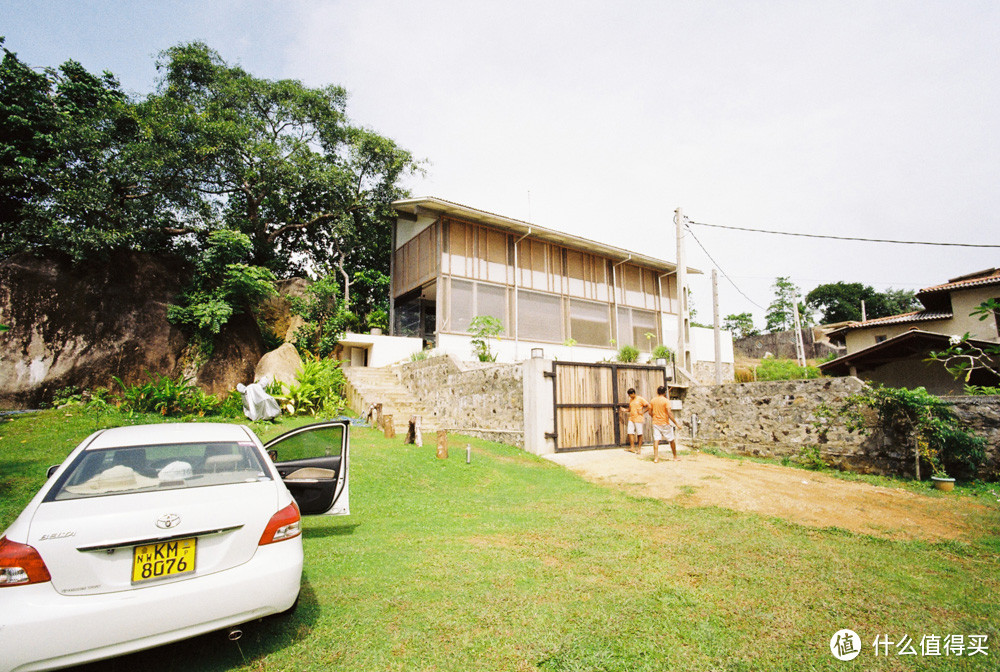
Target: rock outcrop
x: 82, y: 325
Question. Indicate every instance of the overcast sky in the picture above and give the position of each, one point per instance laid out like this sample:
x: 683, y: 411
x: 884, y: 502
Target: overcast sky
x: 862, y: 119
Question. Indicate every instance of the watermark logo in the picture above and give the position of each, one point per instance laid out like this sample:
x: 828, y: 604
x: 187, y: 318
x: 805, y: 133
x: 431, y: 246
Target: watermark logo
x: 845, y: 645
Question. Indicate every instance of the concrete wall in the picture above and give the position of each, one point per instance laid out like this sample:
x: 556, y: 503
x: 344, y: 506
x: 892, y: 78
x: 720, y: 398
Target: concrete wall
x: 780, y: 418
x: 382, y: 350
x: 483, y: 401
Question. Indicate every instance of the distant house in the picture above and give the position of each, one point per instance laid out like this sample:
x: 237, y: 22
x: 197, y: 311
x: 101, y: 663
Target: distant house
x: 893, y: 350
x: 573, y: 298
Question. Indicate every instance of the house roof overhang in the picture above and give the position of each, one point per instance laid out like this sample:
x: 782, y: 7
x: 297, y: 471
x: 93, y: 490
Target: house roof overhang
x: 905, y: 345
x: 437, y: 206
x: 839, y: 335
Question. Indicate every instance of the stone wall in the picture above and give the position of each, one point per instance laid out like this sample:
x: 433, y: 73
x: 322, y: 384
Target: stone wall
x: 482, y: 401
x: 780, y: 418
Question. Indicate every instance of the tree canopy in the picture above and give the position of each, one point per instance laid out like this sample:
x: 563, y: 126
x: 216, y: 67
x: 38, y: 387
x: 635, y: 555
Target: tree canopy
x: 841, y: 302
x: 85, y: 170
x: 781, y: 311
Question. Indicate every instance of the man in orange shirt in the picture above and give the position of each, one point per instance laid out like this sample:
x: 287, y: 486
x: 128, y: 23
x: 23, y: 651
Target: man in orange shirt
x: 637, y: 407
x: 659, y: 409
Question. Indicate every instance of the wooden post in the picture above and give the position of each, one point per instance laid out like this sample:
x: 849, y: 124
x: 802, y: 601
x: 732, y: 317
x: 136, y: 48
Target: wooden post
x: 413, y: 433
x: 387, y: 427
x: 442, y: 451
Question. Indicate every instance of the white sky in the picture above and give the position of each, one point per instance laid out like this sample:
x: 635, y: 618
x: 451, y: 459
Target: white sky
x: 867, y: 119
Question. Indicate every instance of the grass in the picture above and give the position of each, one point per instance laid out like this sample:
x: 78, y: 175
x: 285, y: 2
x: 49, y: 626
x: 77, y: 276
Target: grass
x: 513, y: 563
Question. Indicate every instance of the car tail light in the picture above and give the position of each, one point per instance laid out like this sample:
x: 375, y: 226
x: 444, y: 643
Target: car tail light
x: 285, y: 524
x: 20, y: 564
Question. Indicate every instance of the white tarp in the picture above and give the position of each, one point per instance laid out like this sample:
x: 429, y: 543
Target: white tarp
x: 258, y: 404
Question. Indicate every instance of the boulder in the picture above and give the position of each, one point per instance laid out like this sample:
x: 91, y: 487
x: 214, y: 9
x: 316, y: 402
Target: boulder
x: 84, y: 324
x: 281, y: 364
x: 276, y: 312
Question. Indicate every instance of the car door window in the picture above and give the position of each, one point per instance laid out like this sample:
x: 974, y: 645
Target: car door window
x: 313, y: 463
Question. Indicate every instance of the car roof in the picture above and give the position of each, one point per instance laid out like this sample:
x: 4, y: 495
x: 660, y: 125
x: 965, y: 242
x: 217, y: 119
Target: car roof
x: 175, y: 432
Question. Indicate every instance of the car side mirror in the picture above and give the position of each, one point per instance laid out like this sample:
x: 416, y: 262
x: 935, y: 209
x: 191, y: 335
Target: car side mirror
x: 273, y: 454
x: 51, y: 470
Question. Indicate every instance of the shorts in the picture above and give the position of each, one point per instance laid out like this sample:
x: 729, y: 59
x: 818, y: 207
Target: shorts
x: 663, y: 432
x: 635, y: 427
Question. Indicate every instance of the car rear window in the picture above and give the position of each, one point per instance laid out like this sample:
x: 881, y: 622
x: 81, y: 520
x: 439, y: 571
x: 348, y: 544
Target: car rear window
x: 115, y: 471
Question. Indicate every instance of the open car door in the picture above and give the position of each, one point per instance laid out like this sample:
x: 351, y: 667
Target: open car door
x: 312, y: 462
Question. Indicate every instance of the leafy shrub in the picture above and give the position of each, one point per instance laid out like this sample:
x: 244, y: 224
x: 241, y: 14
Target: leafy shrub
x: 319, y: 389
x: 777, y: 368
x: 325, y: 318
x: 810, y: 458
x: 378, y: 319
x: 420, y: 356
x: 628, y: 354
x: 920, y: 418
x: 662, y: 352
x: 982, y: 390
x: 166, y: 396
x: 483, y: 328
x: 222, y: 287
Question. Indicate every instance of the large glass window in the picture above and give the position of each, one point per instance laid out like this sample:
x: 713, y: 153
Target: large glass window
x: 633, y: 325
x: 539, y: 317
x: 463, y: 308
x: 470, y: 299
x: 590, y: 323
x: 492, y: 300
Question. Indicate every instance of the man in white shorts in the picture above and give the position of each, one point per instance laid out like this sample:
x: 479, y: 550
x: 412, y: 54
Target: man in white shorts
x: 659, y: 410
x: 637, y: 407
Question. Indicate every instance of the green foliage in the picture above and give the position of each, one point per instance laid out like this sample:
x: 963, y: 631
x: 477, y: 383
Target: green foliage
x: 777, y: 368
x: 921, y: 419
x: 662, y: 352
x: 483, y: 328
x: 326, y: 319
x: 378, y: 319
x: 841, y: 302
x: 809, y: 457
x: 628, y: 354
x: 420, y: 356
x: 319, y: 389
x: 166, y: 396
x: 963, y: 359
x: 86, y: 170
x: 740, y: 324
x: 221, y: 288
x: 780, y: 312
x: 982, y: 390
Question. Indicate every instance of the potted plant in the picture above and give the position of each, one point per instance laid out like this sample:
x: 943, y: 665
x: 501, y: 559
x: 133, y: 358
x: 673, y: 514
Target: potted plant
x: 939, y: 477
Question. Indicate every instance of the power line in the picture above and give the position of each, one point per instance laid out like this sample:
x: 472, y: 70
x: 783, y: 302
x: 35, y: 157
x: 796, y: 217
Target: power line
x: 726, y: 275
x: 816, y: 235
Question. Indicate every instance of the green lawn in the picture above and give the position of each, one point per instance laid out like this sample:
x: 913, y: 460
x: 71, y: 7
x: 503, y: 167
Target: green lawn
x: 512, y: 563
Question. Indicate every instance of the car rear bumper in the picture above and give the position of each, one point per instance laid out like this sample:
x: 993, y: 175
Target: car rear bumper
x: 41, y: 629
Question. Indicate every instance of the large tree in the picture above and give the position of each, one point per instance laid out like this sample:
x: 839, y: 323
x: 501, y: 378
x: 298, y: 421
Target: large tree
x: 70, y: 177
x: 84, y: 169
x: 276, y: 160
x: 781, y: 311
x: 841, y: 301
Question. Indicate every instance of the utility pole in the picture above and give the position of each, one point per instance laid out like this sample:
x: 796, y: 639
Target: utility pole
x: 800, y: 346
x: 716, y: 327
x: 683, y: 318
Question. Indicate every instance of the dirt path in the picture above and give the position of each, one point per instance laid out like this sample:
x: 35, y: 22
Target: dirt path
x: 797, y: 495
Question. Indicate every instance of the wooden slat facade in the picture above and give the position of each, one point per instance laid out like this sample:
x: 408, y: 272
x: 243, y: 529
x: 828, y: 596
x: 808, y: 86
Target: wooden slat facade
x: 588, y: 398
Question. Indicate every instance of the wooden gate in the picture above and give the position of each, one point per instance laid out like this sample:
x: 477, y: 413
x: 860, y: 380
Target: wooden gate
x: 588, y: 397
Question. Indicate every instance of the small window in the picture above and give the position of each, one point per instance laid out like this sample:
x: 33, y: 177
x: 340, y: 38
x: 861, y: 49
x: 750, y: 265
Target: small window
x: 881, y: 338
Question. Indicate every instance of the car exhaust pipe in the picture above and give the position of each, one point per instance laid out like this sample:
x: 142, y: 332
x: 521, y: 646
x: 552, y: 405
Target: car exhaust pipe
x: 235, y: 634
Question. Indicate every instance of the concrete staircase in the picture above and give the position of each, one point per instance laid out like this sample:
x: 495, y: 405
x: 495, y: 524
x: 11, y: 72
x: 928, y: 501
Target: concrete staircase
x: 370, y: 385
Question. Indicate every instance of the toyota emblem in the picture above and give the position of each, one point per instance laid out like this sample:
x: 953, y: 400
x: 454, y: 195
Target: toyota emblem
x: 168, y: 521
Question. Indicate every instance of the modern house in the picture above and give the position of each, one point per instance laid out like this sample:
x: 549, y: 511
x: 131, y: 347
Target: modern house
x: 893, y: 350
x: 573, y: 298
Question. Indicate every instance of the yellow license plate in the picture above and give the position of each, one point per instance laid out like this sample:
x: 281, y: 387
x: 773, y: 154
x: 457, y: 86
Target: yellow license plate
x: 167, y: 558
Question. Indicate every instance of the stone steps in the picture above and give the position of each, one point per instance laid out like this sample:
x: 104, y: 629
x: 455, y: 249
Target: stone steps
x: 369, y: 385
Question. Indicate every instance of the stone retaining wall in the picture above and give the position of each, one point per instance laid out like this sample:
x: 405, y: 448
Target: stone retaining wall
x: 780, y: 418
x: 485, y: 401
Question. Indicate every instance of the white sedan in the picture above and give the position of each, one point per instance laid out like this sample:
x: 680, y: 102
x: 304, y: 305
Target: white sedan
x: 150, y: 534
